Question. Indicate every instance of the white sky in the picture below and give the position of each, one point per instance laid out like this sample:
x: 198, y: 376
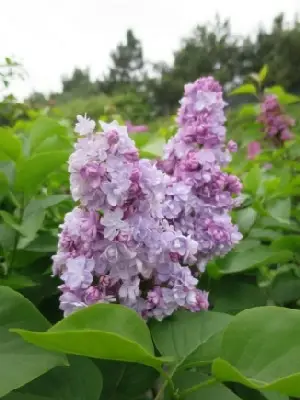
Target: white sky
x: 51, y: 37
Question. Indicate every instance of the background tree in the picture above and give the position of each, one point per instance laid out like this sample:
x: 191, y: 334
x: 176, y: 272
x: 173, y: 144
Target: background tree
x: 127, y: 68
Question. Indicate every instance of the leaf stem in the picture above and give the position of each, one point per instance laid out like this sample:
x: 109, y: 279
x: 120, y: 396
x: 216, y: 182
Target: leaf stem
x: 193, y: 389
x: 17, y: 234
x: 167, y: 381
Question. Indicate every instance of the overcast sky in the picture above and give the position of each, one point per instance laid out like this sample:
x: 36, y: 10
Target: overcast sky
x: 51, y: 37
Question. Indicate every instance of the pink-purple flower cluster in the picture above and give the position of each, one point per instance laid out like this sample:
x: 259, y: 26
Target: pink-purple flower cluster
x: 201, y: 194
x: 140, y: 229
x: 276, y: 124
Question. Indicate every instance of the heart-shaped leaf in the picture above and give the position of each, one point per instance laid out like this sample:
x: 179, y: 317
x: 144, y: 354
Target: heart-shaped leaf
x: 21, y: 362
x: 197, y: 386
x: 125, y: 381
x: 261, y: 349
x: 241, y: 261
x: 32, y: 172
x: 192, y: 338
x: 107, y: 331
x: 81, y: 380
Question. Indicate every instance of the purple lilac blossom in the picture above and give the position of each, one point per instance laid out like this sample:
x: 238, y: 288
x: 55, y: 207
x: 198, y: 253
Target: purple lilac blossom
x: 200, y: 195
x: 128, y: 250
x: 140, y: 230
x: 276, y: 124
x: 253, y: 149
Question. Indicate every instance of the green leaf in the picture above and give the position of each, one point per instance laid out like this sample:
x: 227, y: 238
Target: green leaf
x: 44, y: 128
x: 252, y: 180
x: 276, y: 223
x: 262, y: 255
x: 283, y: 96
x: 263, y: 73
x: 231, y: 295
x: 30, y: 226
x: 125, y: 381
x: 81, y: 380
x: 141, y: 139
x: 264, y: 234
x: 280, y: 208
x: 107, y: 331
x: 4, y: 185
x: 248, y: 88
x: 16, y: 281
x: 44, y: 203
x: 44, y: 243
x: 21, y: 362
x: 289, y: 242
x: 250, y: 394
x: 208, y: 391
x: 7, y: 236
x: 35, y: 170
x: 54, y: 143
x: 154, y: 147
x: 192, y: 338
x: 285, y: 288
x: 11, y: 221
x: 10, y: 145
x: 246, y: 218
x: 260, y: 349
x: 246, y: 244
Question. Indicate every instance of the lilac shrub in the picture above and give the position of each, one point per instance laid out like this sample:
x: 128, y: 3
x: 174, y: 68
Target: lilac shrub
x: 141, y: 229
x: 276, y: 125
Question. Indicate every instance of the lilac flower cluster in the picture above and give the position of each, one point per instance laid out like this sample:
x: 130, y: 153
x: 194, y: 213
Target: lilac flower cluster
x: 127, y: 252
x: 140, y: 229
x: 276, y: 124
x: 201, y: 194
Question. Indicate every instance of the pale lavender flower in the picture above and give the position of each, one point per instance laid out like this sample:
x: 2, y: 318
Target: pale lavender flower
x: 84, y: 125
x: 78, y: 273
x: 113, y: 223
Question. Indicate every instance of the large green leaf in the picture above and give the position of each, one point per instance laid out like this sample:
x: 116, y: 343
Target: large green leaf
x: 32, y: 172
x: 283, y: 96
x: 280, y: 208
x: 246, y: 218
x: 141, y: 139
x: 44, y: 243
x: 203, y: 387
x: 247, y: 88
x: 285, y: 288
x: 153, y: 147
x: 263, y: 73
x: 21, y: 362
x: 82, y: 380
x: 261, y: 349
x: 4, y: 185
x: 16, y: 281
x: 10, y: 145
x: 44, y: 203
x: 125, y: 381
x: 231, y: 295
x: 262, y: 255
x: 43, y: 129
x: 192, y: 338
x: 289, y: 242
x: 246, y: 393
x: 11, y: 221
x: 30, y: 226
x: 107, y: 331
x: 252, y: 180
